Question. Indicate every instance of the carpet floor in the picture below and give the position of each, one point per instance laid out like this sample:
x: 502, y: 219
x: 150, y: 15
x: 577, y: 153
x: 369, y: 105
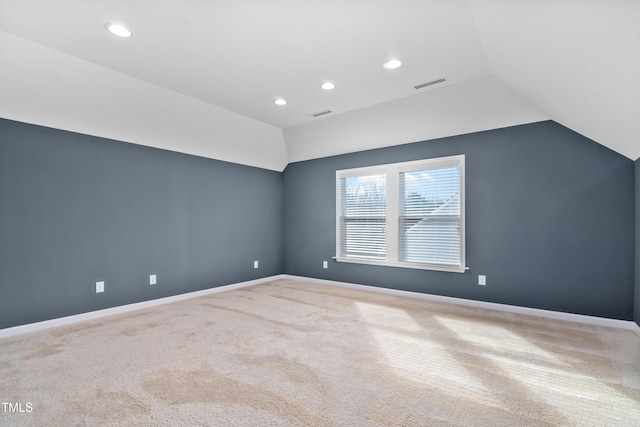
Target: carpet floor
x: 288, y: 353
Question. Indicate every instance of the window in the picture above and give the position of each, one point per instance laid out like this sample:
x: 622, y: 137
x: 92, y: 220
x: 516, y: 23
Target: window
x: 403, y: 214
x: 363, y: 216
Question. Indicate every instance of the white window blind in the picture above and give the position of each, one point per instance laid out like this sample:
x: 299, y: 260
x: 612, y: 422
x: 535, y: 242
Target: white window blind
x: 363, y: 216
x: 429, y: 216
x: 403, y: 214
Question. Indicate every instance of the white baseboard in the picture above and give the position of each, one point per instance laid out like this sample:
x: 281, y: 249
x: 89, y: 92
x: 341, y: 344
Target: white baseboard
x: 636, y: 328
x: 32, y: 327
x: 578, y: 318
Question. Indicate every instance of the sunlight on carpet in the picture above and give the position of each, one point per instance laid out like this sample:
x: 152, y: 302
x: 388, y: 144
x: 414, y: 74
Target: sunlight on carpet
x: 568, y: 391
x: 494, y: 338
x: 416, y: 358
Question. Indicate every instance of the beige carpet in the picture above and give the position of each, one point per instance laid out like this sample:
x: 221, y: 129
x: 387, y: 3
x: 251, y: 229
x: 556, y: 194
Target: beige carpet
x: 296, y: 354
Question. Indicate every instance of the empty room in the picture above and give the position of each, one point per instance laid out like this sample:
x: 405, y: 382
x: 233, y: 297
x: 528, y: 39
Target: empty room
x: 319, y: 213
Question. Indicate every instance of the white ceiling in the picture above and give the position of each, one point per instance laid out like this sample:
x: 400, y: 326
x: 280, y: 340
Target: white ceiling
x: 575, y: 62
x: 578, y: 61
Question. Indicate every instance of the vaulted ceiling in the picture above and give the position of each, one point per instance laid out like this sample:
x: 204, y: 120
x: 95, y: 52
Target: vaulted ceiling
x: 201, y: 76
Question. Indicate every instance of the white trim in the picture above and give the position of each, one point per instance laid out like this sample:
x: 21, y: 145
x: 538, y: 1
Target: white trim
x: 46, y: 324
x: 391, y: 223
x: 636, y: 328
x: 557, y: 315
x: 402, y: 264
x: 412, y: 165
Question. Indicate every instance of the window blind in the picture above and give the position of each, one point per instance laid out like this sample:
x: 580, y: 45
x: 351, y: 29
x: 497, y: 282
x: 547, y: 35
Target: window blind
x: 429, y: 216
x: 363, y: 209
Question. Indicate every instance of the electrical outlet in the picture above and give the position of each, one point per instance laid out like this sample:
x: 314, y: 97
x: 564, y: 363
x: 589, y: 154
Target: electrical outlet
x: 482, y: 280
x: 255, y: 264
x: 325, y: 264
x: 152, y: 279
x: 99, y: 287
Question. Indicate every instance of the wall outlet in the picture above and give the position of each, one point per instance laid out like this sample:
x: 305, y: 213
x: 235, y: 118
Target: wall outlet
x: 482, y: 280
x: 325, y: 264
x: 255, y: 264
x: 152, y: 279
x: 99, y: 287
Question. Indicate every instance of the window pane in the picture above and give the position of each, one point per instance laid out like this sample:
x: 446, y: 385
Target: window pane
x: 363, y: 216
x: 429, y: 215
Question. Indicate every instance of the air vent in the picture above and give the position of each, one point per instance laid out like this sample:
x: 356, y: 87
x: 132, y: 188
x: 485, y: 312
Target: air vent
x: 321, y: 113
x: 431, y: 83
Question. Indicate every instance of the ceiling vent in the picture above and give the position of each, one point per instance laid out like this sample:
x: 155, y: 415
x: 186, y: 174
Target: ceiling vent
x: 321, y: 113
x: 431, y: 83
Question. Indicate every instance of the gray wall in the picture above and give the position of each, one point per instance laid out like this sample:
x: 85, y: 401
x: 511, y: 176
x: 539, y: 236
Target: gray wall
x: 75, y: 208
x: 550, y: 221
x: 637, y: 299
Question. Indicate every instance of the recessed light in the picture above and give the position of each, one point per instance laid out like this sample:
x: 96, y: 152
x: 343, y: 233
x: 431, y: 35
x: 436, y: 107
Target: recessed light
x: 392, y: 64
x: 280, y: 101
x: 118, y: 30
x: 327, y: 86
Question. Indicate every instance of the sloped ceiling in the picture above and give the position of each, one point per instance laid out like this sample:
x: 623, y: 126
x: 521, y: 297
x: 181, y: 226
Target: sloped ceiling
x: 46, y: 87
x: 576, y: 61
x: 200, y: 77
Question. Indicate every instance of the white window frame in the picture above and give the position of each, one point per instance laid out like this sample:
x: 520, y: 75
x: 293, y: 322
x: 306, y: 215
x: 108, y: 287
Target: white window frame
x: 392, y: 237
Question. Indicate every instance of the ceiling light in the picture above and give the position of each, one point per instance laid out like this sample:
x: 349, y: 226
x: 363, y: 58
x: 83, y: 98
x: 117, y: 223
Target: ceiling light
x: 392, y: 64
x: 327, y: 86
x: 280, y: 101
x: 118, y: 30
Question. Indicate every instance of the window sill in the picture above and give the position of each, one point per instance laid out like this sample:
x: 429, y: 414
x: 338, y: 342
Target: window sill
x: 417, y: 266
